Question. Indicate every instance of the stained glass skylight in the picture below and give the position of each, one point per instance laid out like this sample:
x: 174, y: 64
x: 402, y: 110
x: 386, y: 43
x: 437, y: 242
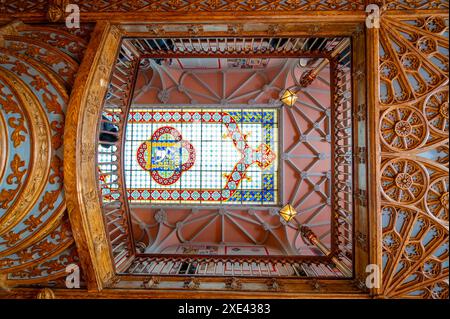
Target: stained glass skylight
x: 211, y: 155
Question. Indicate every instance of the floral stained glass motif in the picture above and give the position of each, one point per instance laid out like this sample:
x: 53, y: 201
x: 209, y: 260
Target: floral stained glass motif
x: 216, y: 156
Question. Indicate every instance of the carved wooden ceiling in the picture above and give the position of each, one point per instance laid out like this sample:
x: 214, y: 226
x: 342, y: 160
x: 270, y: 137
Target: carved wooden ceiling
x: 225, y: 85
x: 52, y: 85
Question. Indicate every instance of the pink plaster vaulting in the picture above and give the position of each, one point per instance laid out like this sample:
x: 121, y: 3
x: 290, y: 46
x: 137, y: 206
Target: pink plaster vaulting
x: 306, y: 155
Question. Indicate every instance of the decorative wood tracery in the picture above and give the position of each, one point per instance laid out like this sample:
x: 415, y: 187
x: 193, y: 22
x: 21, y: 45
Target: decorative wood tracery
x: 425, y: 98
x: 413, y: 131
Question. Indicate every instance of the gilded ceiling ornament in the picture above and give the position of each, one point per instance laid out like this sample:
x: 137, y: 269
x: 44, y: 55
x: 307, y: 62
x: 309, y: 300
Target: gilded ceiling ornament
x: 192, y: 283
x: 10, y: 105
x: 174, y: 4
x: 361, y: 113
x: 361, y: 154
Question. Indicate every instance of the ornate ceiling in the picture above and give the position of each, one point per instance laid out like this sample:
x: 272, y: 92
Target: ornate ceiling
x: 47, y: 149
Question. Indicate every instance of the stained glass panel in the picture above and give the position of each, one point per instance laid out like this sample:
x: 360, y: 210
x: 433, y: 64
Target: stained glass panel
x: 202, y: 156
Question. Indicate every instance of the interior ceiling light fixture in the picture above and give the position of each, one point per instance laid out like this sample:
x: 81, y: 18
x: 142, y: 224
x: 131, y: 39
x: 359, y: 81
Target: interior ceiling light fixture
x: 288, y: 212
x: 289, y: 96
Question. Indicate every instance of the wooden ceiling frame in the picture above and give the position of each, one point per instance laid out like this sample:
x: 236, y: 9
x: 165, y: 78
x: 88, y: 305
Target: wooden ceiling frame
x: 331, y: 58
x: 79, y: 167
x: 85, y: 213
x: 306, y: 22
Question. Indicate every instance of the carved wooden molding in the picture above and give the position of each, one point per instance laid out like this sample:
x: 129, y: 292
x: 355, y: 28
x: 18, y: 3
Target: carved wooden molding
x: 56, y: 9
x: 9, y: 29
x: 79, y: 156
x: 408, y: 118
x: 38, y: 173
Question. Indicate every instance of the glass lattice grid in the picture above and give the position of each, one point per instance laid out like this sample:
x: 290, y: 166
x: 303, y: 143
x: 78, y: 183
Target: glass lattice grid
x: 216, y: 156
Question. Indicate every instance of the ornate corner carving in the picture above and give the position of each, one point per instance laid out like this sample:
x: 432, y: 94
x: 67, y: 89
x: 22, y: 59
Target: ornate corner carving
x: 156, y: 29
x: 316, y: 285
x: 11, y: 28
x: 235, y: 29
x: 274, y: 285
x: 274, y: 29
x: 116, y: 31
x: 361, y: 112
x: 113, y: 281
x: 87, y: 152
x: 362, y: 197
x: 314, y: 29
x: 233, y: 283
x: 195, y: 29
x: 359, y: 29
x: 192, y: 283
x: 361, y: 154
x: 93, y: 103
x: 152, y: 283
x: 359, y: 72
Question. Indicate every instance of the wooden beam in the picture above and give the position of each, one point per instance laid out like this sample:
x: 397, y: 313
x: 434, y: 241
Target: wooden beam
x: 374, y: 157
x: 80, y: 133
x: 360, y: 166
x: 309, y: 289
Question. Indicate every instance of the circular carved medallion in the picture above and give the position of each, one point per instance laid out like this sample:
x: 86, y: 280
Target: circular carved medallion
x: 403, y: 181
